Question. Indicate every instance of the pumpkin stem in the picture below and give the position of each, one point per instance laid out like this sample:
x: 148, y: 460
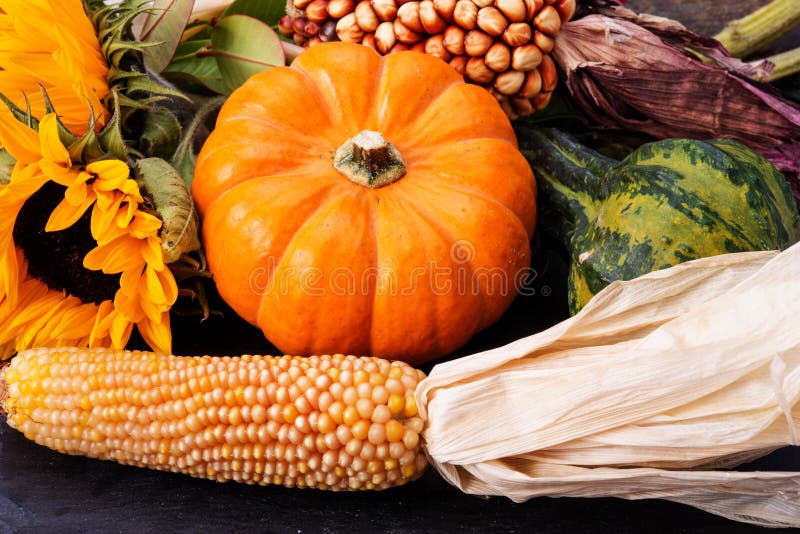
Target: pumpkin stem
x: 369, y: 160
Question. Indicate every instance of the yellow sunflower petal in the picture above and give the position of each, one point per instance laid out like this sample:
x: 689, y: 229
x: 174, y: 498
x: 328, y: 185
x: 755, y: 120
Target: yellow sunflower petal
x: 65, y: 215
x: 157, y: 334
x: 77, y: 322
x: 120, y: 331
x: 19, y: 140
x: 51, y: 147
x: 111, y: 174
x: 77, y: 189
x: 120, y: 255
x: 129, y: 306
x: 151, y: 309
x: 40, y: 328
x: 102, y: 324
x: 160, y: 286
x: 144, y: 225
x: 52, y: 45
x: 109, y: 203
x: 152, y: 253
x: 130, y: 283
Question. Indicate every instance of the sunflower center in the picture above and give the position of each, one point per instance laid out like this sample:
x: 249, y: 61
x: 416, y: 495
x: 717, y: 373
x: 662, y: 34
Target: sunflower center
x: 56, y: 258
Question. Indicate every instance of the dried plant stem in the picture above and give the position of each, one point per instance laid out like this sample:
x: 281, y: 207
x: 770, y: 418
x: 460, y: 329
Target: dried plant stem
x: 786, y: 64
x: 291, y: 51
x: 744, y: 36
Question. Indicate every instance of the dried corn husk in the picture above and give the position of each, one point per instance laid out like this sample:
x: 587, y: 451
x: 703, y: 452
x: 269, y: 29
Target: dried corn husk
x: 639, y: 73
x: 655, y: 388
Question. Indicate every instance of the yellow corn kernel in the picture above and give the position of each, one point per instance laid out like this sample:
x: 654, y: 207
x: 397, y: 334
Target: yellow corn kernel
x: 333, y: 422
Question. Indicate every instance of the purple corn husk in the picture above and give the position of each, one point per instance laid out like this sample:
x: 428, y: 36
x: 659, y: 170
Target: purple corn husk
x: 630, y: 72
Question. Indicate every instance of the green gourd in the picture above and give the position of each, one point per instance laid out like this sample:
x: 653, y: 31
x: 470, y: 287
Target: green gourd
x: 667, y: 202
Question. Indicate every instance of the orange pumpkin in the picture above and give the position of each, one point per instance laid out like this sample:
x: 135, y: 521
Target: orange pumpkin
x: 354, y: 203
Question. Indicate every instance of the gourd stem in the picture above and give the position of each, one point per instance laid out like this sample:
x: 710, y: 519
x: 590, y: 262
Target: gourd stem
x: 369, y: 160
x: 744, y: 36
x: 786, y: 64
x: 567, y: 176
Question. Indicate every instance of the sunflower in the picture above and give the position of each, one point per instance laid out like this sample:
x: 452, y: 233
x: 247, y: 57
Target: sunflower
x: 52, y: 45
x: 81, y: 261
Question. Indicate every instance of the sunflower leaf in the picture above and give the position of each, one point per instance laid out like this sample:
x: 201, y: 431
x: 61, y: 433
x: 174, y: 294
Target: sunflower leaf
x: 161, y: 134
x: 194, y: 70
x: 268, y: 11
x: 244, y: 46
x: 6, y: 166
x: 111, y: 139
x: 23, y: 116
x: 184, y: 158
x: 164, y: 25
x: 173, y: 202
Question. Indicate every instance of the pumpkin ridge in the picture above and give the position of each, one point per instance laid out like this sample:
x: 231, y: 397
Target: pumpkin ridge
x: 335, y: 109
x: 449, y: 238
x: 372, y: 237
x: 327, y: 199
x: 477, y: 193
x: 383, y: 96
x: 297, y: 172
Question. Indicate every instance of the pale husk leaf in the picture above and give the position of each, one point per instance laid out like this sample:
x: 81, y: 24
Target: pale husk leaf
x: 648, y: 392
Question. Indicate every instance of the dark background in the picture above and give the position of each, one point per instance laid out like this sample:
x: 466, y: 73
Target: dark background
x: 42, y: 491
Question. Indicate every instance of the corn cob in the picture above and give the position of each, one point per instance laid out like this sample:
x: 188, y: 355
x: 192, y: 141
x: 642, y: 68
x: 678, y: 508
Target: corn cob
x: 329, y: 422
x: 503, y: 45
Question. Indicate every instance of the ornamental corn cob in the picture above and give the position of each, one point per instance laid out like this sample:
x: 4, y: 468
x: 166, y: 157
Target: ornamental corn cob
x: 503, y: 45
x: 329, y: 422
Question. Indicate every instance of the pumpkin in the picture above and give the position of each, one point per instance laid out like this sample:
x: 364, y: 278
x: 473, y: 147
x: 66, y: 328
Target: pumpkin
x: 354, y: 203
x: 667, y: 202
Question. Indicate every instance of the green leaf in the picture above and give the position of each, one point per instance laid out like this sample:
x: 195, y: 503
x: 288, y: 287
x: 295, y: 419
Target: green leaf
x: 6, y: 166
x: 173, y: 202
x: 267, y: 11
x: 185, y: 158
x: 110, y: 137
x: 194, y: 70
x: 161, y: 134
x: 164, y: 25
x: 244, y: 46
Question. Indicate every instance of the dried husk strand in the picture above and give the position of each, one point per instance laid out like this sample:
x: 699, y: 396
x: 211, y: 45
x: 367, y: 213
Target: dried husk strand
x: 654, y: 390
x: 636, y: 73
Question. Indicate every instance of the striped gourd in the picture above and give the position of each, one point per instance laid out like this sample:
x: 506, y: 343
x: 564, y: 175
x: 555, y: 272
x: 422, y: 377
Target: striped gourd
x: 668, y: 202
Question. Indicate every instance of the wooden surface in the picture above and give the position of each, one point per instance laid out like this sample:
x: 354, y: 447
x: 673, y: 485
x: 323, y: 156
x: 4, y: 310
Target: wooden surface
x: 707, y: 17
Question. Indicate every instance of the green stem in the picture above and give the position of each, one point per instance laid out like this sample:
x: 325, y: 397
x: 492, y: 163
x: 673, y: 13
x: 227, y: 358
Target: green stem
x: 786, y: 64
x: 568, y: 176
x: 744, y: 36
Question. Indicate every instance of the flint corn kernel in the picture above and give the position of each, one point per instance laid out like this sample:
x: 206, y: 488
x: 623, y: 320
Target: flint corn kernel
x: 329, y: 422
